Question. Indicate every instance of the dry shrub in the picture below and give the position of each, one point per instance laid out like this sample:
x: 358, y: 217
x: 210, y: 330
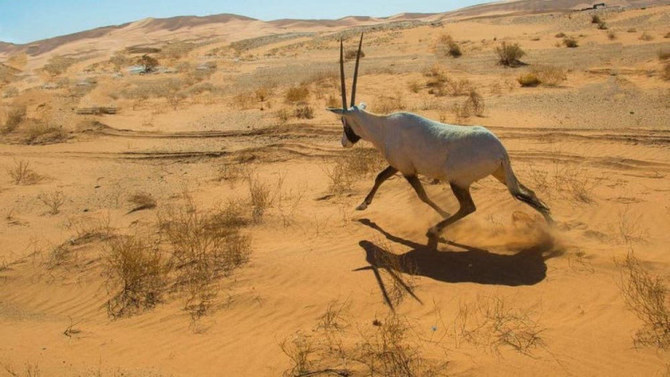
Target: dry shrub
x: 333, y: 101
x: 53, y: 200
x: 263, y: 93
x: 560, y: 35
x: 283, y: 116
x: 632, y: 30
x: 414, y: 86
x: 473, y: 105
x: 297, y: 94
x: 15, y: 116
x: 528, y: 80
x: 646, y: 296
x: 140, y: 201
x: 595, y: 19
x: 446, y: 46
x: 203, y: 247
x: 233, y: 172
x: 663, y: 54
x: 570, y: 42
x: 611, y: 35
x: 304, y: 112
x: 602, y: 26
x: 137, y: 272
x: 388, y: 104
x: 148, y: 63
x: 571, y: 181
x: 351, y: 54
x: 546, y: 75
x: 22, y: 174
x: 646, y: 37
x: 58, y: 64
x: 491, y: 322
x: 244, y: 100
x: 509, y: 54
x: 259, y: 197
x: 356, y: 164
x: 38, y: 133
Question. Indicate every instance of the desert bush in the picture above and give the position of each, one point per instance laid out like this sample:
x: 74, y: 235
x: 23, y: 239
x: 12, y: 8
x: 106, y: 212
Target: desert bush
x: 297, y: 94
x: 356, y: 164
x: 263, y: 93
x: 304, y: 112
x: 546, y: 75
x: 15, y: 116
x: 141, y: 201
x: 509, y: 54
x: 595, y: 19
x: 388, y: 104
x: 22, y: 174
x: 148, y: 63
x: 611, y: 35
x: 560, y: 35
x: 570, y: 42
x: 646, y: 296
x: 602, y: 26
x: 351, y: 54
x: 474, y: 103
x: 446, y: 46
x: 259, y: 197
x: 53, y: 200
x: 283, y: 116
x: 57, y: 65
x: 528, y: 79
x: 38, y: 132
x: 137, y: 273
x: 646, y: 37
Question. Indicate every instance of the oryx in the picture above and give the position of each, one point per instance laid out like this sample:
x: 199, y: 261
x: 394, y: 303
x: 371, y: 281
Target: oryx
x: 413, y: 145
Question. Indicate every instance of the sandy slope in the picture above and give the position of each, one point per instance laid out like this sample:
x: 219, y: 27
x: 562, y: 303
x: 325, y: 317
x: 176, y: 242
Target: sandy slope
x: 596, y: 149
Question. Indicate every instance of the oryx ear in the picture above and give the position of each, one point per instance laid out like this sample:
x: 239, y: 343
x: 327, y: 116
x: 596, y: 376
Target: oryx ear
x: 362, y: 106
x: 336, y: 110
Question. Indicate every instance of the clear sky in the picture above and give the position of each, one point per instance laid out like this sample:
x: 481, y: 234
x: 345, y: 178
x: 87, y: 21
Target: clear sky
x: 23, y: 21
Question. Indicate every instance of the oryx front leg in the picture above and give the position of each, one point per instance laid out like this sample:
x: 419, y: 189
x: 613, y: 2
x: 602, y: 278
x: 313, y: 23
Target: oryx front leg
x: 467, y: 206
x: 416, y: 184
x: 381, y: 177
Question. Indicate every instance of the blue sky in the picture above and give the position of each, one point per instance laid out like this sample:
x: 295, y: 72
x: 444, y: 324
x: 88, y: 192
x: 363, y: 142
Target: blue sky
x: 23, y: 21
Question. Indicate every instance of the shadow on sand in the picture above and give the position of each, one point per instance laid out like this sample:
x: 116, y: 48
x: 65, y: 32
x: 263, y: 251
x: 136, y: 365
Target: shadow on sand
x: 526, y: 267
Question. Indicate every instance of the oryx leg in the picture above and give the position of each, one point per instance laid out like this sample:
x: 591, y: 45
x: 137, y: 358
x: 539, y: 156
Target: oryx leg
x: 381, y: 177
x: 416, y: 184
x: 467, y: 206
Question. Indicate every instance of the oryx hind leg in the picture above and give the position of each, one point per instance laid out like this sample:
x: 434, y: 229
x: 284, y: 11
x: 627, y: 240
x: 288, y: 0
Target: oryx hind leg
x: 381, y: 177
x: 467, y: 206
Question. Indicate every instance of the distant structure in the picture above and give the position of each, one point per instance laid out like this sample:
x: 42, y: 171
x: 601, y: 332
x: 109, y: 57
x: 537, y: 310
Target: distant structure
x: 594, y: 6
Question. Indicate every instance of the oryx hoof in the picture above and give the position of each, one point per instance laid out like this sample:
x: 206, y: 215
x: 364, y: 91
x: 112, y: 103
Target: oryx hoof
x: 362, y: 206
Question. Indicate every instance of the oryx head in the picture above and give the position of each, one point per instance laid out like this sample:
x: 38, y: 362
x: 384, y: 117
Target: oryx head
x: 349, y: 137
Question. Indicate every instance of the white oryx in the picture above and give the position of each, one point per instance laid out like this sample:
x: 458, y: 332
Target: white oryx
x: 416, y: 145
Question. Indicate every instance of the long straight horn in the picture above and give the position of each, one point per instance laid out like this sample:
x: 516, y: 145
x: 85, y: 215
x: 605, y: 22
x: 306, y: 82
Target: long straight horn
x: 342, y: 83
x: 358, y: 57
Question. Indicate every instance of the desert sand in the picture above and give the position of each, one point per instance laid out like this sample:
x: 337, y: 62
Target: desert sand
x: 233, y: 123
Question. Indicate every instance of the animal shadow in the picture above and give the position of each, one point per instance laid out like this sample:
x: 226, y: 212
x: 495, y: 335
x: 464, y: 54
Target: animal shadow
x: 474, y: 265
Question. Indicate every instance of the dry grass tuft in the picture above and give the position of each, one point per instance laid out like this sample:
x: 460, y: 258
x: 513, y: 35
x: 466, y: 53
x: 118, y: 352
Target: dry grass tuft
x: 595, y: 19
x: 611, y: 35
x: 388, y: 104
x: 446, y: 46
x: 15, y: 116
x: 570, y: 42
x: 356, y: 164
x: 529, y: 80
x: 545, y: 75
x: 351, y: 54
x: 53, y: 200
x: 509, y: 54
x: 560, y: 35
x: 304, y: 112
x: 646, y: 296
x: 140, y: 201
x: 259, y: 197
x: 38, y: 133
x: 602, y: 25
x: 137, y: 272
x: 22, y: 174
x: 297, y: 94
x: 58, y: 64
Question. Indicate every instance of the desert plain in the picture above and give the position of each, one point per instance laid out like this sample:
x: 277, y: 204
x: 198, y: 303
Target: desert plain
x: 175, y: 200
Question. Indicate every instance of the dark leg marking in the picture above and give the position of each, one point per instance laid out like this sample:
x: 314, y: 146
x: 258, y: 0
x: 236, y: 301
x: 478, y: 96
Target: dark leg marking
x: 381, y: 177
x: 416, y: 184
x: 467, y: 206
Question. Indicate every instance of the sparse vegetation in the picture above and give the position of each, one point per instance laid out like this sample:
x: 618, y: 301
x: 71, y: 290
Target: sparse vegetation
x: 528, y: 79
x: 297, y: 94
x: 53, y: 200
x: 545, y: 75
x: 141, y: 201
x: 351, y: 54
x: 611, y: 35
x: 304, y: 112
x: 595, y: 19
x: 560, y: 35
x: 356, y: 164
x: 22, y: 174
x: 58, y: 65
x: 15, y: 116
x: 446, y: 46
x: 148, y: 63
x: 646, y: 37
x: 509, y: 54
x: 259, y: 197
x: 387, y: 104
x: 570, y: 42
x: 38, y: 132
x: 646, y: 296
x: 602, y: 26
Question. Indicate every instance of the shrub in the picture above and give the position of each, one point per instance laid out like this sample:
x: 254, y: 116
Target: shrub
x: 646, y: 296
x: 351, y: 54
x: 595, y: 19
x: 53, y: 200
x: 41, y: 133
x: 304, y: 112
x: 388, y: 104
x: 549, y: 75
x: 570, y: 42
x: 259, y: 197
x: 15, y: 116
x: 297, y: 94
x: 140, y: 201
x: 57, y: 65
x: 560, y: 35
x: 611, y: 35
x: 528, y: 80
x: 646, y: 37
x: 509, y: 54
x: 148, y: 63
x: 22, y: 174
x: 446, y: 46
x: 602, y: 26
x: 474, y: 103
x: 137, y: 272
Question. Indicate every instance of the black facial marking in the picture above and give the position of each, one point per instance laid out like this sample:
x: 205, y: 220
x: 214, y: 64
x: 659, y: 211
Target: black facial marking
x: 349, y: 132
